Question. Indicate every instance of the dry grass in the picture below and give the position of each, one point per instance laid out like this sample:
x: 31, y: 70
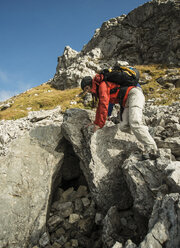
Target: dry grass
x: 41, y: 97
x: 46, y: 97
x: 154, y: 90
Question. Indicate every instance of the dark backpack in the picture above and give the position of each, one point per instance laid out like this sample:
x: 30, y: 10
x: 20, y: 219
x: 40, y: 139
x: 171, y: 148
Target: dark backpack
x: 124, y: 76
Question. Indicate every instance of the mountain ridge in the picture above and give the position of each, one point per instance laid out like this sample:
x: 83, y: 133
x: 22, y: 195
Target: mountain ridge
x: 149, y: 34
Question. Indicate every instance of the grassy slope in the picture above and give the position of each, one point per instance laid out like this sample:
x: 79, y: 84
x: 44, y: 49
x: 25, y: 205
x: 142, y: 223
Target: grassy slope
x: 154, y: 90
x: 46, y: 97
x: 38, y: 98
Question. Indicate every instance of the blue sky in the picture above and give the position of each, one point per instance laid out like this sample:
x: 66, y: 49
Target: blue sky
x: 35, y: 32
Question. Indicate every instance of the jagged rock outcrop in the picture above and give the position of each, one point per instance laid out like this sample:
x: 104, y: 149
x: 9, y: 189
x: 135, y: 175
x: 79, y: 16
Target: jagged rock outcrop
x: 145, y: 180
x: 148, y: 34
x: 164, y: 121
x: 99, y: 158
x: 164, y: 223
x: 171, y: 79
x: 29, y: 165
x: 144, y: 184
x: 63, y: 186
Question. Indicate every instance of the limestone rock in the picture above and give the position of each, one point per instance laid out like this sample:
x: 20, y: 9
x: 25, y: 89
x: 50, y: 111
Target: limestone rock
x: 173, y: 176
x: 164, y: 126
x: 99, y: 154
x: 10, y: 130
x: 27, y: 172
x: 143, y: 177
x: 133, y: 38
x: 164, y: 222
x: 120, y: 193
x: 77, y: 225
x: 5, y: 105
x: 117, y: 245
x: 44, y: 240
x: 130, y: 244
x: 73, y: 218
x: 173, y: 79
x: 36, y: 116
x: 53, y: 222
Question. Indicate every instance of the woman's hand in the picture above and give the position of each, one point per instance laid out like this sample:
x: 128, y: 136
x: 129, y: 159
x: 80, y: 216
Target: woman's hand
x: 89, y: 124
x: 94, y: 128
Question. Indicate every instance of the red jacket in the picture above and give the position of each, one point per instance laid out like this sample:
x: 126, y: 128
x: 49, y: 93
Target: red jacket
x: 104, y: 98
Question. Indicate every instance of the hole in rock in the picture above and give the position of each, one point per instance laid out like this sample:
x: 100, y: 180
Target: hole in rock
x: 74, y: 219
x: 71, y: 221
x: 122, y: 225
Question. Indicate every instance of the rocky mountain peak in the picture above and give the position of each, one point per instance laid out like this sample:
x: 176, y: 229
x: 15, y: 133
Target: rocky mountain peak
x: 147, y: 35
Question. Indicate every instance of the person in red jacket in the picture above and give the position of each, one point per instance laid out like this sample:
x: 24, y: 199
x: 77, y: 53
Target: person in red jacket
x: 101, y: 89
x: 131, y: 100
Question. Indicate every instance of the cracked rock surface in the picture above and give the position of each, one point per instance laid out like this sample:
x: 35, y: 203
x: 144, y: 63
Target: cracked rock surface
x: 131, y: 39
x: 64, y: 186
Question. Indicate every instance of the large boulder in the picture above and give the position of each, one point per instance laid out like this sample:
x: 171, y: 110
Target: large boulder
x: 164, y: 125
x: 144, y: 179
x: 173, y: 176
x: 164, y: 223
x: 102, y: 155
x: 28, y: 170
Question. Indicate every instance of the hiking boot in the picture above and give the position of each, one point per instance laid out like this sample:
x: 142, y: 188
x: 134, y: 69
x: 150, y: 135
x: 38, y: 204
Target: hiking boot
x: 136, y: 154
x: 145, y: 156
x: 153, y: 155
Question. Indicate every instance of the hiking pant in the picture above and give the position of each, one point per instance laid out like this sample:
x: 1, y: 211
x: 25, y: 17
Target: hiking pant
x: 132, y: 119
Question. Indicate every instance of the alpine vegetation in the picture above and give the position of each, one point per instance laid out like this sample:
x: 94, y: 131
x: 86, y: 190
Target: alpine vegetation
x: 69, y: 175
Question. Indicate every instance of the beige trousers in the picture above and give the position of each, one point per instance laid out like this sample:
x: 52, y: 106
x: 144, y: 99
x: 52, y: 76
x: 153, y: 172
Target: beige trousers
x: 132, y: 119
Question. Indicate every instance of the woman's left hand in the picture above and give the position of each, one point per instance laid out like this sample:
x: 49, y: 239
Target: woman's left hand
x: 95, y: 128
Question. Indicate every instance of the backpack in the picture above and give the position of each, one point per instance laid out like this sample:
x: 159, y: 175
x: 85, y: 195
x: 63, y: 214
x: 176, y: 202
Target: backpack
x: 124, y: 76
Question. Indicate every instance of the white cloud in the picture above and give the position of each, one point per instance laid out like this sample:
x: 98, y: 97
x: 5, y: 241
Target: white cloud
x: 12, y: 84
x: 21, y: 87
x: 5, y: 94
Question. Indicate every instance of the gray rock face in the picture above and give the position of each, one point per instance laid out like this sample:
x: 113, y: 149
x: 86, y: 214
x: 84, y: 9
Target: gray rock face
x: 173, y: 176
x: 144, y: 181
x: 164, y: 223
x: 170, y: 79
x: 99, y: 155
x: 131, y: 202
x: 144, y: 178
x: 28, y: 170
x: 164, y: 122
x: 148, y: 34
x: 139, y: 37
x: 11, y: 130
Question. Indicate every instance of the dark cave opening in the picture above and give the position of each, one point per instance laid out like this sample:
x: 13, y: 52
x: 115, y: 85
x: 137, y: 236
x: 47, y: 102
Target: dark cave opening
x: 71, y: 173
x: 72, y: 213
x: 76, y: 221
